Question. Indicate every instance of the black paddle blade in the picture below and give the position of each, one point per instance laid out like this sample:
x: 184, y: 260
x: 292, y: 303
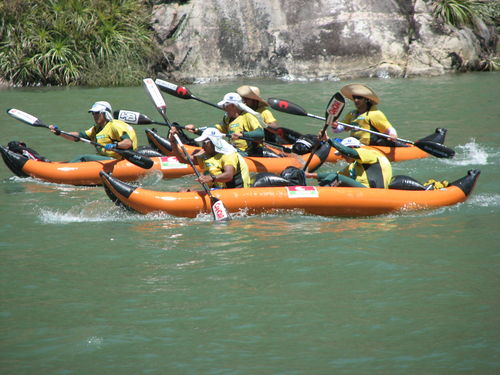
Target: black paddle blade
x: 132, y: 117
x: 286, y: 106
x: 219, y: 210
x: 135, y: 158
x: 435, y: 149
x: 334, y: 108
x: 172, y: 89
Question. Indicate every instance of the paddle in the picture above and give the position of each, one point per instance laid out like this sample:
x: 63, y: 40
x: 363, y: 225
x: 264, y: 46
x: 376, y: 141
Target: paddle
x: 133, y: 157
x: 332, y: 113
x: 219, y: 211
x: 184, y: 93
x: 433, y: 148
x: 180, y: 92
x: 137, y: 118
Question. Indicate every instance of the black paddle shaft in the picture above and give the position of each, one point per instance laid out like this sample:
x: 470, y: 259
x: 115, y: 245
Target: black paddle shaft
x: 134, y: 157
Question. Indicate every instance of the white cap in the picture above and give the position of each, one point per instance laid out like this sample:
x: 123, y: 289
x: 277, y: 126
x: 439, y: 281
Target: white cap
x: 351, y: 142
x: 103, y: 106
x: 208, y: 133
x: 231, y: 98
x: 216, y: 137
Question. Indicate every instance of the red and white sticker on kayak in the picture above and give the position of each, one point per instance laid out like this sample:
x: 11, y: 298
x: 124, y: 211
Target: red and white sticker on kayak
x: 171, y: 162
x: 302, y: 192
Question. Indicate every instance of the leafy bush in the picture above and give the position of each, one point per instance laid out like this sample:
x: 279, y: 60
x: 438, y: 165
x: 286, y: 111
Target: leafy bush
x: 462, y: 12
x: 75, y: 42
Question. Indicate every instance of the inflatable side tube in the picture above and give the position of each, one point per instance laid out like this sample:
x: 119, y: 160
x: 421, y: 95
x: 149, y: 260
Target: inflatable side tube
x: 322, y: 154
x: 158, y: 142
x: 467, y: 183
x: 401, y: 182
x: 149, y: 151
x: 267, y: 179
x: 15, y: 162
x: 121, y: 188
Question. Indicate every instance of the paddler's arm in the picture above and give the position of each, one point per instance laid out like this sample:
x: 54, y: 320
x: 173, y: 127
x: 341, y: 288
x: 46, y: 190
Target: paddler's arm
x: 344, y: 150
x: 257, y: 134
x: 179, y: 154
x: 125, y: 143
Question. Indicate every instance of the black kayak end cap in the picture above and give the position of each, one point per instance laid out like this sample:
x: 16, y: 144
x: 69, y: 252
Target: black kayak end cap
x: 121, y: 187
x: 466, y: 183
x: 14, y: 161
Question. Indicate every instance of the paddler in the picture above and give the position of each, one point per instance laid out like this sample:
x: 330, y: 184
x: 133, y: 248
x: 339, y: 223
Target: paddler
x: 367, y: 167
x: 366, y: 116
x: 222, y: 165
x: 239, y: 121
x: 109, y: 132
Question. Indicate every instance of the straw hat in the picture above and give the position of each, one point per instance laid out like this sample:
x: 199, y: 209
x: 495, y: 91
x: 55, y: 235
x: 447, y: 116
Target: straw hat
x: 250, y: 92
x: 357, y: 89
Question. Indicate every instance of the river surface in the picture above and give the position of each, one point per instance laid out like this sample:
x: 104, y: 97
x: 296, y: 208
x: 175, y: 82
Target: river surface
x: 87, y: 288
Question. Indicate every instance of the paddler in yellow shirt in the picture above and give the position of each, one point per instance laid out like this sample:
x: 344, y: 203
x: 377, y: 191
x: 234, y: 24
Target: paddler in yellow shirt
x: 223, y: 167
x: 367, y: 116
x: 109, y: 132
x: 367, y: 168
x: 239, y: 121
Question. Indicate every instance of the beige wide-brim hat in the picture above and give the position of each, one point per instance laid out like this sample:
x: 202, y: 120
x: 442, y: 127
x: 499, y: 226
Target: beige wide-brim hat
x: 357, y: 89
x: 250, y: 92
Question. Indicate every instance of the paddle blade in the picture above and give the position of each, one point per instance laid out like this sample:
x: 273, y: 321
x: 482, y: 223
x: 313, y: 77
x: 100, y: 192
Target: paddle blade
x: 283, y: 105
x: 219, y: 210
x: 24, y: 117
x: 135, y: 158
x: 172, y: 89
x: 334, y: 108
x: 132, y: 117
x: 435, y: 149
x: 155, y: 95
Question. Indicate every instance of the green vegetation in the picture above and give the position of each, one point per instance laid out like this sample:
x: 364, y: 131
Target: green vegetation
x: 75, y: 42
x: 461, y: 13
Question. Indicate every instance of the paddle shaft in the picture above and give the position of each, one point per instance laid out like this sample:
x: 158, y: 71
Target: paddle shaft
x: 219, y: 211
x: 134, y: 157
x: 190, y: 161
x: 184, y: 93
x: 333, y: 110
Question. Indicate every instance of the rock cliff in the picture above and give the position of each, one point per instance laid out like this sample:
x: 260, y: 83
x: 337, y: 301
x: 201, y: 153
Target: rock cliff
x: 310, y: 39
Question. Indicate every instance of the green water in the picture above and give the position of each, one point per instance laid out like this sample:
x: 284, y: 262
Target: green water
x: 87, y: 288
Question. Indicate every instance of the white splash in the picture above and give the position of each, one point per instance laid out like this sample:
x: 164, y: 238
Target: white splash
x: 471, y: 153
x: 484, y: 200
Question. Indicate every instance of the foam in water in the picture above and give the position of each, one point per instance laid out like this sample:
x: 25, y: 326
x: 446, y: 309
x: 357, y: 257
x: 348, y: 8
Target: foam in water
x: 94, y: 212
x: 471, y: 153
x: 485, y: 200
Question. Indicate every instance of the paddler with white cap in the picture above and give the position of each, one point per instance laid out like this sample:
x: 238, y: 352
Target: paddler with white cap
x: 367, y: 167
x: 108, y: 132
x: 366, y: 116
x: 223, y: 167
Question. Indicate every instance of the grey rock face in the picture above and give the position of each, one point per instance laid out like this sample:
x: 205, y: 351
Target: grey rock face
x: 309, y: 39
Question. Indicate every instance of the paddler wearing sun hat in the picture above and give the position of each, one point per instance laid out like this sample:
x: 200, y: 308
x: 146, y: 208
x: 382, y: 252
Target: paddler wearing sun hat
x: 366, y: 116
x: 251, y: 97
x: 239, y: 121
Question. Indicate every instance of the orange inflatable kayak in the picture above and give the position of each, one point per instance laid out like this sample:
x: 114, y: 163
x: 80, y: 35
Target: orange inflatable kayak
x: 324, y: 201
x: 327, y: 154
x: 87, y: 173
